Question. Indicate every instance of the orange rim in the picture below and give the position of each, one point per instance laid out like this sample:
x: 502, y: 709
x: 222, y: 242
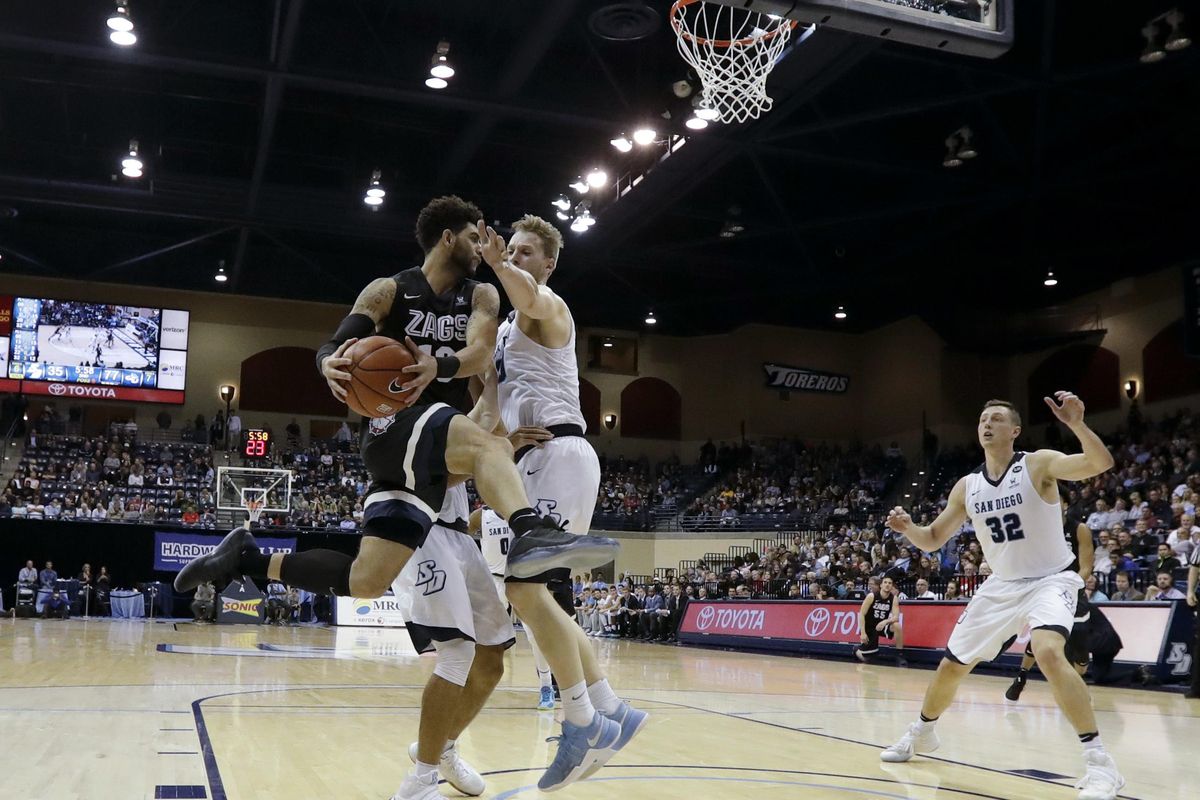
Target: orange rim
x: 679, y: 5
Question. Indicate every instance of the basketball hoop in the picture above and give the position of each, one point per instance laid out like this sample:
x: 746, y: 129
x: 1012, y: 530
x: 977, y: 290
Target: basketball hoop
x: 254, y: 507
x: 733, y: 51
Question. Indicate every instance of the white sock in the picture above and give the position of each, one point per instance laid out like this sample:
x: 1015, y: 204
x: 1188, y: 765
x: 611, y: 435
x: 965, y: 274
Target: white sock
x: 1094, y: 744
x: 539, y: 660
x: 603, y: 697
x: 423, y: 771
x: 577, y: 706
x: 925, y: 727
x: 449, y: 746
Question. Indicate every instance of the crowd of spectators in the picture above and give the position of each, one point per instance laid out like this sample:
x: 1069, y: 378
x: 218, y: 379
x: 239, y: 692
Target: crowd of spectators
x: 784, y: 483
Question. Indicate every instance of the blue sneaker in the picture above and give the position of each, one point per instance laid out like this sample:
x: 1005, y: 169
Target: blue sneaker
x: 578, y: 748
x: 547, y: 701
x: 631, y: 721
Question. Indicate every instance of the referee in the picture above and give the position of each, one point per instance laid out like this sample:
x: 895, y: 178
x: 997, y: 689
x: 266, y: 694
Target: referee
x: 1193, y: 575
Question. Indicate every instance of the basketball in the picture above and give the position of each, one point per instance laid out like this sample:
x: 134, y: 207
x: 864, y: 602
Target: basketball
x: 376, y: 372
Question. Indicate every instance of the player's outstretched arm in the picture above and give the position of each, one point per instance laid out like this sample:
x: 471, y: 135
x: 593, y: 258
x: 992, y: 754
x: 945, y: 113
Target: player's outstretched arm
x: 930, y: 537
x: 526, y: 294
x: 1095, y: 458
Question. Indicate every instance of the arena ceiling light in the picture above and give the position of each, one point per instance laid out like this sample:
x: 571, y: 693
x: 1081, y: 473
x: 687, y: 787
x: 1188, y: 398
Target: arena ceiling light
x: 959, y: 148
x: 645, y: 135
x: 840, y: 313
x: 1177, y: 39
x: 1153, y: 52
x: 375, y: 192
x: 131, y: 165
x: 220, y: 277
x: 1050, y: 280
x: 696, y: 122
x: 622, y: 143
x: 564, y: 216
x: 120, y: 25
x: 597, y: 177
x: 440, y: 66
x: 704, y: 110
x: 580, y: 185
x: 650, y: 320
x: 562, y: 202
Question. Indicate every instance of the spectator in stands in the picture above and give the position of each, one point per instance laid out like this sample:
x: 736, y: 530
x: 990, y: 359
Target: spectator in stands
x: 293, y: 433
x: 56, y: 606
x: 234, y: 424
x: 344, y: 434
x: 216, y: 431
x: 1166, y: 560
x: 1125, y: 591
x: 203, y: 602
x: 674, y: 613
x: 47, y: 576
x: 923, y: 592
x: 163, y: 419
x: 952, y: 591
x: 1183, y: 539
x: 650, y: 623
x: 28, y: 573
x: 1091, y: 588
x: 1164, y: 588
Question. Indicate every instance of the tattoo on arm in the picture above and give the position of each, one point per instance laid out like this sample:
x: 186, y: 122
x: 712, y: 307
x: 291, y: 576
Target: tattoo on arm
x: 376, y: 299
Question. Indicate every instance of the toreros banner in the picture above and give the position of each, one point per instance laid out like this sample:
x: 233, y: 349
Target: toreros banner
x: 802, y: 379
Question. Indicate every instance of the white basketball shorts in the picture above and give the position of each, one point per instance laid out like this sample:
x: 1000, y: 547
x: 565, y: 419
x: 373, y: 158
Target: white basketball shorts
x: 445, y: 592
x: 562, y: 478
x: 1000, y: 610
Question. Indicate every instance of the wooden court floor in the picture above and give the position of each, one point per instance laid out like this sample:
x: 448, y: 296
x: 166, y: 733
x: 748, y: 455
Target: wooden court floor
x: 104, y: 710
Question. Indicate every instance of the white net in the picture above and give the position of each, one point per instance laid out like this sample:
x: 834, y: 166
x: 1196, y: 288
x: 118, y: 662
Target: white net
x: 254, y: 491
x: 733, y: 51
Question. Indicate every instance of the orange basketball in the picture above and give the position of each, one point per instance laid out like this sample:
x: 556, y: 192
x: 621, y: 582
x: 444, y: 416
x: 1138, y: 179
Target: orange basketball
x: 376, y: 375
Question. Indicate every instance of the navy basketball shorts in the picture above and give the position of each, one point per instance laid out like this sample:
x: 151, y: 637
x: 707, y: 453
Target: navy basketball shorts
x: 406, y: 456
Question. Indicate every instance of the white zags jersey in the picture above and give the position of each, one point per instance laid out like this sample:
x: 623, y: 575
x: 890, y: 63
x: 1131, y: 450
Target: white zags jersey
x: 1020, y: 533
x: 537, y: 385
x: 494, y: 540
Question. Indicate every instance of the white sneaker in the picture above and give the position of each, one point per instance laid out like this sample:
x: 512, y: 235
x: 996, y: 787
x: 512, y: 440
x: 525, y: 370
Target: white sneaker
x: 415, y: 788
x: 455, y: 771
x: 913, y: 741
x: 1102, y: 781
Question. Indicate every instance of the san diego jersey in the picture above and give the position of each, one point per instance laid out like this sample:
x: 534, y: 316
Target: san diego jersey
x: 1020, y: 533
x: 494, y: 540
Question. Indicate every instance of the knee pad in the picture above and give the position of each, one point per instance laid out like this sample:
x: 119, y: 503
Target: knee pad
x: 454, y: 659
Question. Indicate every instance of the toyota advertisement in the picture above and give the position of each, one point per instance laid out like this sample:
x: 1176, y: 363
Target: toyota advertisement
x: 1152, y: 633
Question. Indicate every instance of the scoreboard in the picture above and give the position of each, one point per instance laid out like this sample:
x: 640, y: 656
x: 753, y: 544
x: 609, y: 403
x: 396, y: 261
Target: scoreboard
x: 256, y: 443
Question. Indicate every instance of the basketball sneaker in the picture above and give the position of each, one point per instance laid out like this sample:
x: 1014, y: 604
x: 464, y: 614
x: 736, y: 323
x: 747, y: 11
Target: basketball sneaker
x: 578, y: 748
x: 631, y: 721
x: 547, y: 546
x: 455, y: 771
x: 1102, y: 781
x: 1013, y: 692
x: 415, y: 788
x: 546, y: 703
x: 913, y: 741
x: 220, y: 566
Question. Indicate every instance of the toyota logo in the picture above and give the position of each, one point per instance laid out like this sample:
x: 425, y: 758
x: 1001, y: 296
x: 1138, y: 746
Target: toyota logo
x: 704, y: 620
x: 816, y: 622
x: 57, y: 389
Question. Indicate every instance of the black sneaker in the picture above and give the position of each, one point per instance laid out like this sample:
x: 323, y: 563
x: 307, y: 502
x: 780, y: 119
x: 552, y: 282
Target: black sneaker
x: 547, y: 546
x: 220, y: 566
x: 1013, y: 692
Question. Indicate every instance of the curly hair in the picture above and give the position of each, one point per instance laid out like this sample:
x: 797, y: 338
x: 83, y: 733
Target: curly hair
x: 444, y: 213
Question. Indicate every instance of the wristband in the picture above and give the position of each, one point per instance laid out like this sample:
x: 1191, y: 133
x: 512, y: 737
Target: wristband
x: 447, y: 366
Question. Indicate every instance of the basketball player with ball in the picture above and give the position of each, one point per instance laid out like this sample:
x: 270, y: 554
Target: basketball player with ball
x: 1013, y: 504
x: 418, y: 436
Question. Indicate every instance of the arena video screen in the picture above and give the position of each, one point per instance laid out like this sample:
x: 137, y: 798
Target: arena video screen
x: 98, y: 350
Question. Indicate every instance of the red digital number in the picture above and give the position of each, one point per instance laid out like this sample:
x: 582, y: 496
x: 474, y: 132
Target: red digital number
x: 256, y: 448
